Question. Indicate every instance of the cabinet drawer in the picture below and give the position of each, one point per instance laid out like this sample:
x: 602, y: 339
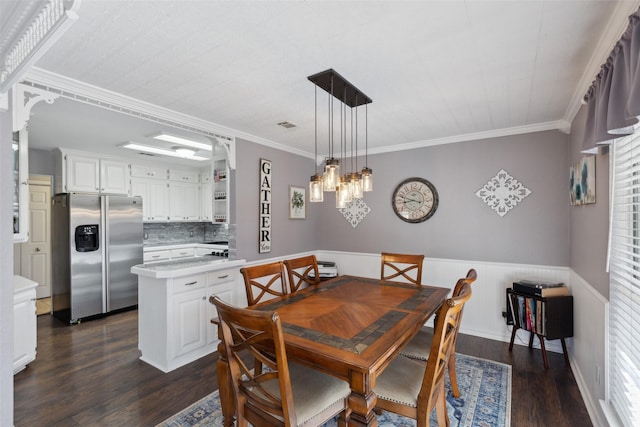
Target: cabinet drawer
x: 189, y: 283
x: 156, y: 256
x: 221, y: 276
x: 182, y: 253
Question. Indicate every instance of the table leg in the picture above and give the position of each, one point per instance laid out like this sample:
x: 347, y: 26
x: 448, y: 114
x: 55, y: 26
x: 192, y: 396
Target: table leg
x: 362, y: 409
x: 227, y: 402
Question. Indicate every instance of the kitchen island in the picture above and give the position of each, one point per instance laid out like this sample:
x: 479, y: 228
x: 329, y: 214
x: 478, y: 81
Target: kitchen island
x: 174, y: 313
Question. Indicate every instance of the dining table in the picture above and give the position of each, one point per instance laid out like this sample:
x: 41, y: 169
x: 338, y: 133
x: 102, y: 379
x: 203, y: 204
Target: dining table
x: 349, y: 327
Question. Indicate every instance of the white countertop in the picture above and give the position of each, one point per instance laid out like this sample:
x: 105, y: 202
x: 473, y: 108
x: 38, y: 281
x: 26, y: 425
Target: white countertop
x: 157, y: 247
x: 184, y: 267
x: 22, y: 283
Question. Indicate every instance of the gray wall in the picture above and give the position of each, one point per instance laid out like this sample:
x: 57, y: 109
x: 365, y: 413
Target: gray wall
x: 589, y: 224
x: 535, y: 232
x: 41, y: 162
x: 463, y: 227
x: 289, y: 235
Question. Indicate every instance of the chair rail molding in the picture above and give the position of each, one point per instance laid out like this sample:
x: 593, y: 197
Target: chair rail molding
x: 37, y: 26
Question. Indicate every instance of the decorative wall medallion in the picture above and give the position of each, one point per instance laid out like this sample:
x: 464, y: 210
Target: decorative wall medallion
x: 355, y: 212
x: 503, y: 193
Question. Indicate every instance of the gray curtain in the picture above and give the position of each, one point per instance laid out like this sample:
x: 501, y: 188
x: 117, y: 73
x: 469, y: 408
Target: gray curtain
x: 613, y: 100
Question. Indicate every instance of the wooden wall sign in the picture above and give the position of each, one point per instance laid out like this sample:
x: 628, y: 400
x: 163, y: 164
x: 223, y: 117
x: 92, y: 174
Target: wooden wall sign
x: 264, y: 239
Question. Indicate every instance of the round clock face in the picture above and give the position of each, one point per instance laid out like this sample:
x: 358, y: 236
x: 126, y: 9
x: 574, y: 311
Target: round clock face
x: 414, y: 200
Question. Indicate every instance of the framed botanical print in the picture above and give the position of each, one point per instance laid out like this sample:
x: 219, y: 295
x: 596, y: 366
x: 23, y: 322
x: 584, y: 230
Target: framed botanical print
x: 297, y: 203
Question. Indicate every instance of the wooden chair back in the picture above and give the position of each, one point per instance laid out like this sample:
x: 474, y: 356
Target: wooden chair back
x: 263, y: 280
x: 442, y: 348
x: 401, y: 267
x: 431, y: 392
x: 299, y: 272
x: 257, y: 400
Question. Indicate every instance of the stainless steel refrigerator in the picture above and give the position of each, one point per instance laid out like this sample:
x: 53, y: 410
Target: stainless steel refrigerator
x: 95, y: 241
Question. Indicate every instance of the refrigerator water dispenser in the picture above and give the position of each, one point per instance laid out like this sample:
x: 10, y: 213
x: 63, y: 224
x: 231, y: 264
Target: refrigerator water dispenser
x: 87, y: 238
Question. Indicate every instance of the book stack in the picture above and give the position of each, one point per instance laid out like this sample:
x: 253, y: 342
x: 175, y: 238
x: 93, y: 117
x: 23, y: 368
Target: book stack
x: 540, y: 288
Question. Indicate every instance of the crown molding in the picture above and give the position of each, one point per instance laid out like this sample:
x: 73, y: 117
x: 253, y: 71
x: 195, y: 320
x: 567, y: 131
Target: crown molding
x: 615, y: 28
x: 560, y: 125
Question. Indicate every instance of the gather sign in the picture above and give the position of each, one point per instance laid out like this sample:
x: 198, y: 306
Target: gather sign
x: 264, y: 239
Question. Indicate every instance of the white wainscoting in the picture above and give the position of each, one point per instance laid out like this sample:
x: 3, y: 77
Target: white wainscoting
x: 588, y: 346
x: 483, y: 313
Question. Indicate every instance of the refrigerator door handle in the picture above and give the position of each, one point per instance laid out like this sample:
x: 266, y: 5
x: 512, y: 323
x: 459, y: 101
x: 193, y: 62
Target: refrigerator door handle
x: 104, y: 202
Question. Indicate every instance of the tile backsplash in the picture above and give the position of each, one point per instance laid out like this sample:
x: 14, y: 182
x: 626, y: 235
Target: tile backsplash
x: 174, y: 233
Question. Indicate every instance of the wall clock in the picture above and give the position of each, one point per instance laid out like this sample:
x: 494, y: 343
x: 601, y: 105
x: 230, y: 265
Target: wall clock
x: 414, y: 200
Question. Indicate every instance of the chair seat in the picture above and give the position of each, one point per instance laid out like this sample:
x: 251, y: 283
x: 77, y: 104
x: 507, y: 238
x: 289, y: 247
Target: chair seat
x: 317, y: 396
x: 401, y: 381
x: 419, y: 347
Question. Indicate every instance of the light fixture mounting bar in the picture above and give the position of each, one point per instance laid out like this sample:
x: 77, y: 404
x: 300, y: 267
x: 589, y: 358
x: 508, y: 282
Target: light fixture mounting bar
x: 341, y: 87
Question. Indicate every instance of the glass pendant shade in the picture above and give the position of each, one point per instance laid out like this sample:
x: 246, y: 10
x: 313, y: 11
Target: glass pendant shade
x: 343, y: 193
x: 367, y: 179
x: 356, y: 185
x: 316, y: 193
x: 331, y: 176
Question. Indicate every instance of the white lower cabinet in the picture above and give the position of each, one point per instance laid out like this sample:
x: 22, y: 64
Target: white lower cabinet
x: 175, y: 319
x: 189, y: 321
x: 24, y: 322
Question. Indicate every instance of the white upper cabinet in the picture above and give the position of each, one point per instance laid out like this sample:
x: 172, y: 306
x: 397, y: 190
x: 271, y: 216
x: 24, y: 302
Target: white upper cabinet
x: 184, y: 198
x: 82, y: 173
x: 115, y: 177
x: 90, y: 174
x: 184, y: 175
x: 143, y: 171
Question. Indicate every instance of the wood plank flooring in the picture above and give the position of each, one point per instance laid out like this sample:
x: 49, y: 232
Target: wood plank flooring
x: 90, y: 375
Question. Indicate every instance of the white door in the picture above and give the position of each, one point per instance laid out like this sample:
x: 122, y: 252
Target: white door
x: 36, y: 252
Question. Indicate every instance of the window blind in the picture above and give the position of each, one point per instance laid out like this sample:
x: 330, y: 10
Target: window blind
x: 624, y: 274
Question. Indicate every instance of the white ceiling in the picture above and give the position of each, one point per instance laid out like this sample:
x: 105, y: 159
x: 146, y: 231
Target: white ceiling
x: 437, y: 71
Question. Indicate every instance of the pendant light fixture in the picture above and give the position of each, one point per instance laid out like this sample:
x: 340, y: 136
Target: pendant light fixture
x: 367, y: 173
x: 316, y: 190
x: 348, y: 185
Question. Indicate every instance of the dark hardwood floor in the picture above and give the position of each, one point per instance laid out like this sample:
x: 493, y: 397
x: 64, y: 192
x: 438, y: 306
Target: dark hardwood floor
x: 90, y: 375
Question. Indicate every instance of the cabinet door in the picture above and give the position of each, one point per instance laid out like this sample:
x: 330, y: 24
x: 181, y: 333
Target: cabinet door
x: 189, y: 312
x: 159, y: 208
x: 184, y: 201
x: 140, y: 187
x: 226, y: 295
x: 25, y: 332
x: 114, y: 177
x: 83, y: 174
x: 206, y: 202
x: 184, y: 175
x: 140, y: 171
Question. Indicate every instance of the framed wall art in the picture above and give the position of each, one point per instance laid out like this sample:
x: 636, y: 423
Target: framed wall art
x: 582, y: 182
x: 297, y: 202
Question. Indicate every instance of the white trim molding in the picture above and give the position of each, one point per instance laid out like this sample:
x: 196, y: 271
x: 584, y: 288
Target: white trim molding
x: 30, y: 42
x: 98, y: 97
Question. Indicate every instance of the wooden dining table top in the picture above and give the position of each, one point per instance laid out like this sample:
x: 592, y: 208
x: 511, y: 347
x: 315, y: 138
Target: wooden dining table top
x: 352, y: 327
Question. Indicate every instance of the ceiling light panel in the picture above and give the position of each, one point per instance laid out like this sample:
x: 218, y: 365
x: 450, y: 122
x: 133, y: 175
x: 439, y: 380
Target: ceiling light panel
x: 165, y: 152
x: 163, y: 136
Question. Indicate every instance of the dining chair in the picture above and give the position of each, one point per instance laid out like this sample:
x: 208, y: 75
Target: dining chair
x: 419, y: 347
x: 413, y: 388
x: 285, y: 393
x: 401, y: 267
x: 263, y: 280
x: 299, y: 272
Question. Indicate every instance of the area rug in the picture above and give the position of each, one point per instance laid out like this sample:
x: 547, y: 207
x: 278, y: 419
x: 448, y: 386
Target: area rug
x: 485, y: 389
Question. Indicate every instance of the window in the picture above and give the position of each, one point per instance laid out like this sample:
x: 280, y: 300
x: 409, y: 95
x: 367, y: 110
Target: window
x: 624, y: 267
